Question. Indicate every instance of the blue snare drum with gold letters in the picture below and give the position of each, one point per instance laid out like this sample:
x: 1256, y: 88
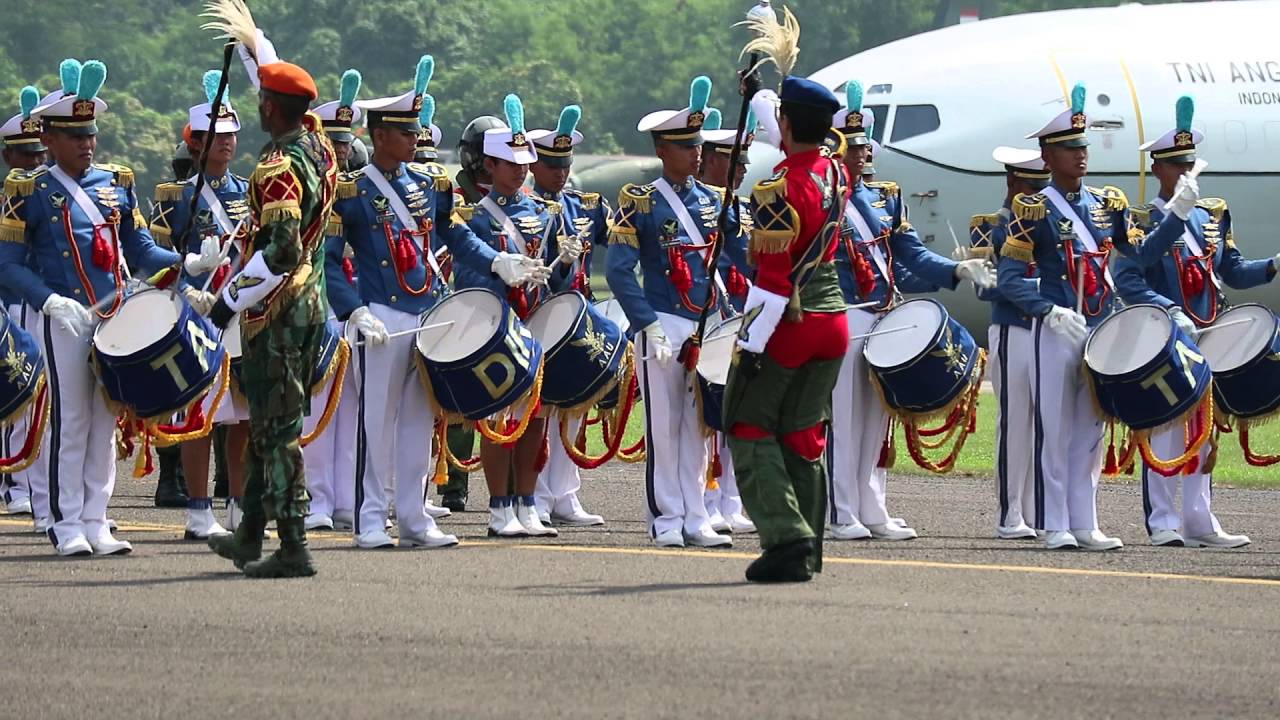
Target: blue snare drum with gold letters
x: 21, y: 368
x: 1243, y: 349
x: 714, y: 360
x: 582, y: 350
x: 921, y: 358
x: 483, y: 362
x: 327, y: 359
x: 1146, y: 371
x: 156, y: 355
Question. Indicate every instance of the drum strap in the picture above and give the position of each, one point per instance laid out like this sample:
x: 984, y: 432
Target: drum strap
x: 1189, y: 239
x: 868, y: 238
x: 508, y: 227
x: 225, y: 226
x: 400, y: 209
x: 690, y: 228
x: 86, y: 206
x: 1082, y: 231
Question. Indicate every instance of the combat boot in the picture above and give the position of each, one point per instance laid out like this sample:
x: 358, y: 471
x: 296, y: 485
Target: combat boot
x: 244, y: 545
x: 221, y: 488
x: 291, y: 560
x: 789, y: 562
x: 171, y: 490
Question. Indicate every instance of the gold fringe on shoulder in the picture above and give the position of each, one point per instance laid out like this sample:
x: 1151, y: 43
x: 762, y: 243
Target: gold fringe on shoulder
x: 277, y: 165
x: 280, y: 211
x: 124, y: 175
x: 767, y: 192
x: 590, y: 200
x: 770, y: 242
x: 1113, y: 197
x: 1030, y: 207
x: 462, y: 214
x: 13, y: 230
x: 21, y: 183
x: 636, y: 196
x: 1018, y: 249
x: 888, y: 188
x: 346, y: 188
x: 978, y: 221
x: 334, y: 226
x: 168, y: 192
x: 553, y: 207
x: 1217, y: 207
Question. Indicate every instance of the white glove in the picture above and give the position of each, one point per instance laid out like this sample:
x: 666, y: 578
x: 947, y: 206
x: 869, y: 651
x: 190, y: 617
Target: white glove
x: 657, y: 344
x: 960, y: 253
x: 519, y: 269
x: 1185, y: 196
x: 368, y: 325
x: 1067, y: 323
x: 1183, y: 321
x: 765, y: 106
x: 978, y: 270
x: 761, y: 314
x: 251, y: 285
x: 207, y: 260
x: 71, y: 315
x: 570, y: 249
x: 200, y: 301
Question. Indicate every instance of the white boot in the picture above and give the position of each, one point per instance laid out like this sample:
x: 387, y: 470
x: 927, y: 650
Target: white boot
x: 201, y: 524
x: 502, y: 519
x: 527, y: 516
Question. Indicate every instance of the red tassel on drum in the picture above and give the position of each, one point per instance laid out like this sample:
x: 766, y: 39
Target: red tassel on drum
x: 544, y: 451
x: 518, y: 301
x: 1112, y: 464
x: 680, y: 275
x: 1192, y: 280
x: 886, y: 449
x: 737, y: 283
x: 349, y: 269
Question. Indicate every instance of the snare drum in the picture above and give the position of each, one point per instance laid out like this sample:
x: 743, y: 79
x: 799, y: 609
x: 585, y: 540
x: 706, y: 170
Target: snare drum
x: 714, y: 360
x: 921, y: 358
x: 612, y: 309
x: 482, y: 363
x: 23, y: 368
x: 156, y: 355
x: 328, y: 359
x: 1244, y: 358
x: 583, y: 351
x: 1146, y: 371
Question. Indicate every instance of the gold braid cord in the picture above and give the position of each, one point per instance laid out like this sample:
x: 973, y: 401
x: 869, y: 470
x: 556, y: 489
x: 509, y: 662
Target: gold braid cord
x: 163, y: 438
x: 960, y: 421
x: 1203, y: 412
x: 39, y: 408
x: 337, y: 375
x: 488, y: 426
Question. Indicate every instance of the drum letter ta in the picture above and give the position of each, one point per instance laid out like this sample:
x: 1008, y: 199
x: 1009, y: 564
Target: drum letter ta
x: 1188, y: 358
x: 202, y: 345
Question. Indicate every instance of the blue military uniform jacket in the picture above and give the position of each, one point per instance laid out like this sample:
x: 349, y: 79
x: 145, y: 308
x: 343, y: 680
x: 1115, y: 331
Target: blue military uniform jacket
x: 1036, y: 235
x: 986, y: 236
x: 584, y: 212
x: 364, y: 219
x: 539, y: 223
x: 1158, y: 281
x: 644, y: 229
x: 41, y: 254
x: 171, y: 215
x: 913, y: 267
x: 734, y: 257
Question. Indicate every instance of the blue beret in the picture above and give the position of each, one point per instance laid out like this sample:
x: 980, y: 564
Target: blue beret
x: 803, y: 91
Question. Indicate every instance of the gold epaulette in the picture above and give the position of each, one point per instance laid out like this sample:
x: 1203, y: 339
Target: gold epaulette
x: 347, y: 186
x: 462, y: 213
x: 161, y: 234
x: 1016, y: 248
x: 623, y: 236
x: 590, y: 200
x: 124, y: 175
x: 276, y: 164
x: 888, y: 188
x: 1217, y: 207
x: 439, y: 176
x: 1031, y: 208
x: 639, y: 197
x: 1140, y: 215
x: 981, y: 251
x: 1112, y: 196
x: 334, y: 226
x: 21, y: 183
x: 717, y: 189
x: 978, y: 221
x: 767, y: 191
x: 168, y: 192
x: 551, y: 206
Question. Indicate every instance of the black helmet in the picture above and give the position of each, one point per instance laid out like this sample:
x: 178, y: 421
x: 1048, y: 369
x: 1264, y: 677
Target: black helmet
x: 183, y: 164
x: 359, y: 156
x: 471, y: 144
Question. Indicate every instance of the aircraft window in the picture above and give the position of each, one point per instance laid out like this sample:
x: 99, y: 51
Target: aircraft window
x: 1235, y: 136
x: 881, y: 113
x: 913, y: 120
x: 881, y: 89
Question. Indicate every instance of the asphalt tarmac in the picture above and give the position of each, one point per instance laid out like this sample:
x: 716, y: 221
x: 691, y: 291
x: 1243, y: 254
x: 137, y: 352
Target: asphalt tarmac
x: 599, y: 623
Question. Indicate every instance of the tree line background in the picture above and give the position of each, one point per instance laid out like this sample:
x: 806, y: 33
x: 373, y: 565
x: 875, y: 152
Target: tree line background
x: 619, y: 59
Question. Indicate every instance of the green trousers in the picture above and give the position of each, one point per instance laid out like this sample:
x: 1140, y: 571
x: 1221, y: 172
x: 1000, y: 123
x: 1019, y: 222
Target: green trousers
x: 462, y: 442
x: 784, y: 493
x: 275, y: 374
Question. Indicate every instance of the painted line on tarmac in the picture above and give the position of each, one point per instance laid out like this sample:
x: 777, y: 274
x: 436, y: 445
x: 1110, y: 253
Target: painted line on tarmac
x: 1030, y: 569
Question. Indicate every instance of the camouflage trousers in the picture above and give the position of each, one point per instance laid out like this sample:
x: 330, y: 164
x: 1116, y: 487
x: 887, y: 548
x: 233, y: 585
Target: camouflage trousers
x: 275, y: 376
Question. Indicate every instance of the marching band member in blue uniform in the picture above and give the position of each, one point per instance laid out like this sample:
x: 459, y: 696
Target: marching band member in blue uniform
x: 20, y: 137
x: 587, y: 215
x: 1185, y: 280
x: 80, y: 222
x: 724, y: 504
x: 1067, y: 232
x: 221, y: 209
x: 330, y: 459
x: 669, y: 227
x: 1009, y: 347
x: 390, y: 210
x: 509, y: 220
x: 879, y: 256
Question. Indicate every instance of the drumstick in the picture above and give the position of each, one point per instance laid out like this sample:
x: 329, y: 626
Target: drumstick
x: 961, y: 253
x: 414, y: 331
x: 1233, y: 323
x: 878, y: 333
x: 1080, y: 285
x: 226, y: 250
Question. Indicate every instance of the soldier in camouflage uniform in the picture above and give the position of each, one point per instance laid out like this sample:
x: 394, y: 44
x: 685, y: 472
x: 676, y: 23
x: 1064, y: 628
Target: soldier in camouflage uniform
x: 280, y: 291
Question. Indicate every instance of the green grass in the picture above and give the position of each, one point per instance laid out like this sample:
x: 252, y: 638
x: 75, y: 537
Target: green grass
x: 978, y: 457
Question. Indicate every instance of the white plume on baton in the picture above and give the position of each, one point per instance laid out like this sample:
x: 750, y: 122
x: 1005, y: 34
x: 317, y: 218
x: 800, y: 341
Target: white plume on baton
x: 233, y: 21
x: 778, y: 42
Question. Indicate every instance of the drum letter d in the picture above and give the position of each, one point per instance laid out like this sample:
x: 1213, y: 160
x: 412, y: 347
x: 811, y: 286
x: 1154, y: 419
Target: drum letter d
x: 496, y: 390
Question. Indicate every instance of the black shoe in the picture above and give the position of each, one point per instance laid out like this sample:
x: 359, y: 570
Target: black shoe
x: 783, y: 564
x: 453, y: 500
x: 241, y: 548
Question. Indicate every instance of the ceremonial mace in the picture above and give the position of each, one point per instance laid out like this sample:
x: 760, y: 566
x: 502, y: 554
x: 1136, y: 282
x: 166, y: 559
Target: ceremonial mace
x: 228, y: 51
x: 764, y: 25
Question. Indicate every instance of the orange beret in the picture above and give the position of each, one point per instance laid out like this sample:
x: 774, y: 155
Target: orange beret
x: 186, y: 135
x: 288, y: 79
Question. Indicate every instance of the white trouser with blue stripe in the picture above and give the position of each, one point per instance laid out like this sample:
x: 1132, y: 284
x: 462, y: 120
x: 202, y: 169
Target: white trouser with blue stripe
x: 1159, y: 493
x: 330, y: 460
x: 1011, y: 354
x: 859, y: 422
x: 559, y: 480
